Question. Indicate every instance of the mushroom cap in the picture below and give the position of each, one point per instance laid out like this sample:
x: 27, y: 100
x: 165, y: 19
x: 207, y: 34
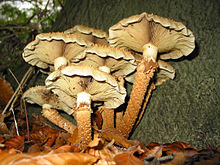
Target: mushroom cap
x: 41, y: 95
x: 94, y: 35
x: 166, y: 72
x: 121, y: 62
x: 48, y: 46
x: 172, y: 38
x: 74, y: 79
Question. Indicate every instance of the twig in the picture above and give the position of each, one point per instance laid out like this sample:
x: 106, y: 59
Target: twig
x: 20, y: 86
x: 23, y: 81
x: 27, y: 124
x: 16, y: 125
x: 13, y: 34
x: 60, y: 4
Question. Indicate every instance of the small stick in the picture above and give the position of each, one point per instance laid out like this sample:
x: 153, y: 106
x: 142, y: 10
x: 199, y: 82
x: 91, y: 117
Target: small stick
x: 23, y: 81
x: 16, y: 125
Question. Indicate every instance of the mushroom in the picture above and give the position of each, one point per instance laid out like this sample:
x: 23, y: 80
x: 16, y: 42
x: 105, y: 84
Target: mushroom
x: 116, y: 61
x: 149, y: 34
x: 86, y: 84
x: 54, y: 49
x: 50, y: 102
x: 94, y: 35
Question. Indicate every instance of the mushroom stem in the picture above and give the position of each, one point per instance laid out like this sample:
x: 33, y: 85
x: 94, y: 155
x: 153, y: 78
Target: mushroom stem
x: 150, y: 52
x: 105, y: 69
x: 83, y: 119
x: 118, y: 116
x: 60, y: 61
x: 149, y: 91
x: 108, y: 118
x: 53, y: 116
x: 145, y: 72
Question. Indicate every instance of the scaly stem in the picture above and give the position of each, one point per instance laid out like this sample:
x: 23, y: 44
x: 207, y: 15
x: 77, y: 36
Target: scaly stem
x: 53, y: 116
x: 83, y: 119
x: 118, y: 116
x: 145, y: 72
x: 149, y: 91
x: 108, y: 118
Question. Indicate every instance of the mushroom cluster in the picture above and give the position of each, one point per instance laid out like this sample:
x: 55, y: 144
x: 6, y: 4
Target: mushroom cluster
x: 87, y: 69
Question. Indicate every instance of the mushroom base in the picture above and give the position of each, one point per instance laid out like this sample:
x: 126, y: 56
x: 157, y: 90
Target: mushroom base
x: 83, y: 119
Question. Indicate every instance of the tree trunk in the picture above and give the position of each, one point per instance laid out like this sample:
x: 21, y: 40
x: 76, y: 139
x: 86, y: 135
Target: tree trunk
x: 185, y: 108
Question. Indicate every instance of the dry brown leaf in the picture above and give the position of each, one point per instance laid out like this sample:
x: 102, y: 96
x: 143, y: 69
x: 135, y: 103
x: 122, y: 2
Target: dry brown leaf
x: 97, y: 148
x: 67, y: 148
x: 152, y: 145
x: 96, y: 141
x: 179, y: 159
x: 40, y: 134
x: 155, y: 152
x: 16, y: 142
x: 49, y: 159
x: 183, y: 144
x: 61, y: 139
x: 102, y: 154
x: 49, y: 141
x: 127, y: 159
x: 190, y: 152
x: 170, y: 145
x: 98, y: 119
x: 213, y: 161
x: 3, y: 127
x: 1, y: 140
x: 6, y: 92
x: 74, y: 137
x: 172, y: 149
x: 35, y: 148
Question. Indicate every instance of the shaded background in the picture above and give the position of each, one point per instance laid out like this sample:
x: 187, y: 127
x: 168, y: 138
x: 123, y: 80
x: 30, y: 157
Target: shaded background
x: 186, y: 108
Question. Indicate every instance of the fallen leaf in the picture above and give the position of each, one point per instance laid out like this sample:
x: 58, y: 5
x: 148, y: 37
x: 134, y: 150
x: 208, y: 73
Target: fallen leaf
x: 179, y: 159
x: 152, y: 145
x: 98, y: 149
x: 49, y: 159
x: 183, y: 144
x: 172, y: 149
x: 34, y: 148
x: 16, y: 142
x: 155, y: 152
x: 98, y: 119
x: 190, y: 152
x: 3, y: 127
x: 74, y: 137
x: 67, y: 148
x: 213, y: 161
x: 6, y: 92
x: 1, y: 140
x: 127, y: 159
x: 42, y: 134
